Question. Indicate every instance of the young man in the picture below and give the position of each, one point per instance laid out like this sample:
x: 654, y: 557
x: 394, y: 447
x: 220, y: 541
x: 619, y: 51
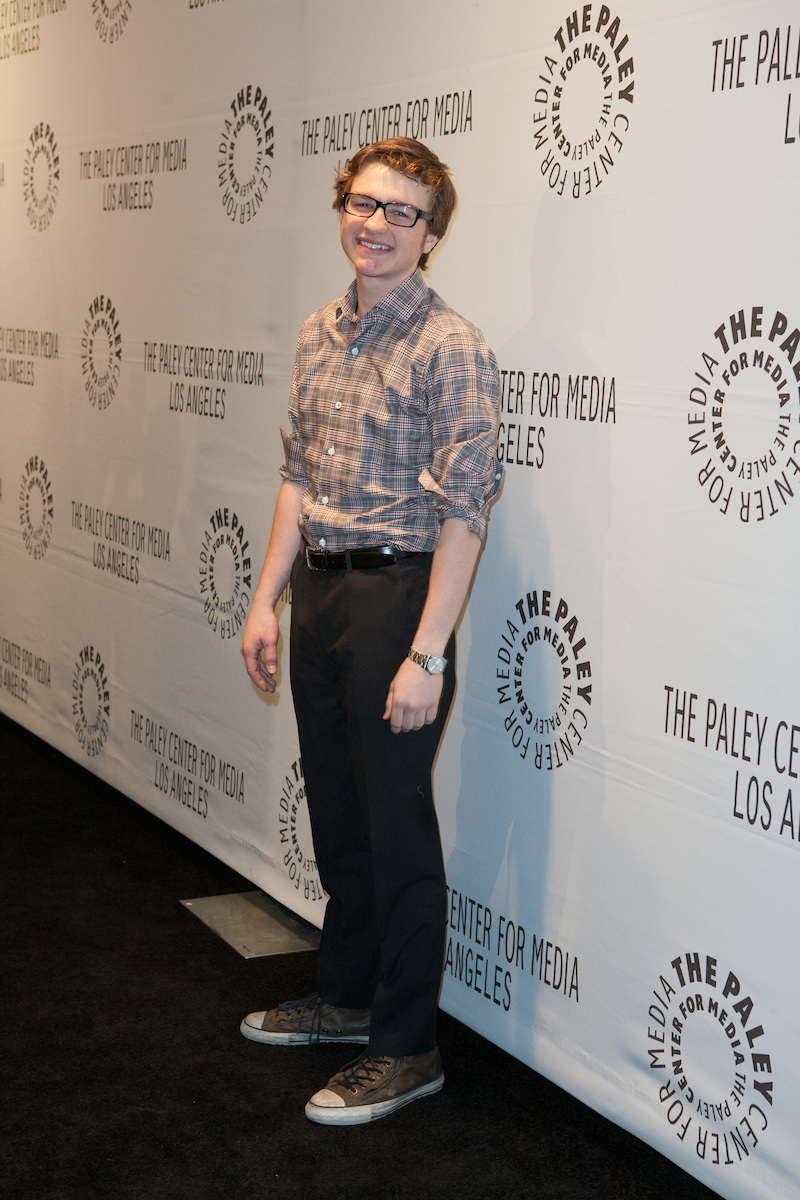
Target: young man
x: 390, y: 467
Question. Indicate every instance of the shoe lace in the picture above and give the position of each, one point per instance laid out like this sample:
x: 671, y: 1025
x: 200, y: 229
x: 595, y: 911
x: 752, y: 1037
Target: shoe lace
x: 298, y: 1009
x: 362, y: 1070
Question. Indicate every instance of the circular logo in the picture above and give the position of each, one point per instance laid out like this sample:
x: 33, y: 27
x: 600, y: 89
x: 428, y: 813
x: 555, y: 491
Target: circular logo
x: 544, y: 684
x: 41, y: 175
x: 36, y: 507
x: 584, y: 96
x: 706, y: 1042
x: 110, y: 18
x: 225, y: 573
x: 744, y: 408
x: 101, y: 352
x: 245, y: 154
x: 90, y: 701
x: 296, y: 841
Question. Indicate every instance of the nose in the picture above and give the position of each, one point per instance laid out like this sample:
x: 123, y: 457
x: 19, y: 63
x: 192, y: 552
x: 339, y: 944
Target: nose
x: 379, y: 217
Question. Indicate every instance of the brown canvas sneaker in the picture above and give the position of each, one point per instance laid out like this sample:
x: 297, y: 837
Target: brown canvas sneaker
x: 301, y: 1022
x: 373, y: 1086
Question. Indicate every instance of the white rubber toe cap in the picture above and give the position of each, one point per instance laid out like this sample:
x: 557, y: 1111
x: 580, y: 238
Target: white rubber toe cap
x: 255, y: 1020
x: 327, y: 1099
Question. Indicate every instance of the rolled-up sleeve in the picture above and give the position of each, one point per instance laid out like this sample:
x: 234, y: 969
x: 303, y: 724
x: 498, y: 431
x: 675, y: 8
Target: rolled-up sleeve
x: 463, y: 394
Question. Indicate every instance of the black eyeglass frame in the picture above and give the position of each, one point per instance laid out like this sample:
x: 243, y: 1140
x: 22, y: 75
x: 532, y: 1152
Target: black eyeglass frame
x: 386, y: 206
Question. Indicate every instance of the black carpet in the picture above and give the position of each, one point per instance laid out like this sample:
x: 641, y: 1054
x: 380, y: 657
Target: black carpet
x: 125, y: 1076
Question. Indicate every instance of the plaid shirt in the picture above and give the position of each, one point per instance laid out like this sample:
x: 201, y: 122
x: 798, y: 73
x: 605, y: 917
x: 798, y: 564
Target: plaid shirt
x: 393, y: 422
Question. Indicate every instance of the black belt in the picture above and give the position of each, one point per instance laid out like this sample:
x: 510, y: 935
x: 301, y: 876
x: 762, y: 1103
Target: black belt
x: 355, y: 560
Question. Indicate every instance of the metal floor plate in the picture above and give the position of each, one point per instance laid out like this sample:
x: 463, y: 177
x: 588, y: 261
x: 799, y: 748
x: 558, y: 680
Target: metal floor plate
x: 255, y: 925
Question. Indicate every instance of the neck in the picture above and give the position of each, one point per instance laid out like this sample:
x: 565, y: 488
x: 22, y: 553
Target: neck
x: 373, y: 291
x: 369, y: 294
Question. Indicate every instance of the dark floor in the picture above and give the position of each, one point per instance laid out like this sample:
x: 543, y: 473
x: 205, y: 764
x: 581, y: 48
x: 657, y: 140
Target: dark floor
x: 124, y: 1074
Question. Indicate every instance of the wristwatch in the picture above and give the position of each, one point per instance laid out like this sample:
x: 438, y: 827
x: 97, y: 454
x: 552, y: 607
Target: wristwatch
x: 429, y: 662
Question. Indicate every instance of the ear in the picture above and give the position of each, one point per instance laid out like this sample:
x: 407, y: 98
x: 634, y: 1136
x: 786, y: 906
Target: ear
x: 430, y: 241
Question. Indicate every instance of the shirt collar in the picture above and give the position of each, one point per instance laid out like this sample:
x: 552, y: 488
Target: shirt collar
x: 400, y: 304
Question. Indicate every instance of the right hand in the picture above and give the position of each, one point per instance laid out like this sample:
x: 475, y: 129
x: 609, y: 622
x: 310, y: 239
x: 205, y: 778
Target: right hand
x: 260, y: 647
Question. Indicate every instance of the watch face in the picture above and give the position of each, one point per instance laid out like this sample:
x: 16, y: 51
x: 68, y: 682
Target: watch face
x: 436, y: 665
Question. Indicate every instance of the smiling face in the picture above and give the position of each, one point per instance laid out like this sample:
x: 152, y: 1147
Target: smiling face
x: 384, y: 255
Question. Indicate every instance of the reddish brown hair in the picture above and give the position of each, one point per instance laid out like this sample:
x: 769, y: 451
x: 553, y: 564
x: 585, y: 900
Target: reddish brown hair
x: 410, y: 158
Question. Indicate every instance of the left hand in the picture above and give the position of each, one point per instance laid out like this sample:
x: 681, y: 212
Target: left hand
x: 413, y: 699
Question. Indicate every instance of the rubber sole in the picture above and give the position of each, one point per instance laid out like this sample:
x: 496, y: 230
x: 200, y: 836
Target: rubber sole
x: 362, y: 1114
x: 297, y: 1039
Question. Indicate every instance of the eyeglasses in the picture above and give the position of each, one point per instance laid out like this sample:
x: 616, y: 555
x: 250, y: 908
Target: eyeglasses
x: 396, y: 214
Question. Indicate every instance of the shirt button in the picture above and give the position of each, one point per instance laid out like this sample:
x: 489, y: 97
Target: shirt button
x: 323, y: 499
x: 499, y: 475
x: 338, y: 404
x: 322, y: 542
x: 331, y: 449
x: 354, y: 350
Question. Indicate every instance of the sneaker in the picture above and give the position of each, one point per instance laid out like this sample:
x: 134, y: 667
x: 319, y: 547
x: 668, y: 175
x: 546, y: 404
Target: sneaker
x: 306, y: 1021
x: 373, y: 1086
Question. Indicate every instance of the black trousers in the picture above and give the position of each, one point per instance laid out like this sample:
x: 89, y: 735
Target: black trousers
x: 370, y: 801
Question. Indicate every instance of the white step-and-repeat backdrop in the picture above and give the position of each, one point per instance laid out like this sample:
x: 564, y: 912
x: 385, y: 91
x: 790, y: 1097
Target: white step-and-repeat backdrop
x: 618, y: 788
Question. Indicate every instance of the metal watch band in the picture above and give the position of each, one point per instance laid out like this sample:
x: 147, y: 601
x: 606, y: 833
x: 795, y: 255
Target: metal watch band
x: 423, y: 660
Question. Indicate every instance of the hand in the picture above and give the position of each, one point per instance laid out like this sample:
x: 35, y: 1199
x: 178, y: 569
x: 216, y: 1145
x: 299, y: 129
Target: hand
x: 413, y: 699
x: 261, y: 635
